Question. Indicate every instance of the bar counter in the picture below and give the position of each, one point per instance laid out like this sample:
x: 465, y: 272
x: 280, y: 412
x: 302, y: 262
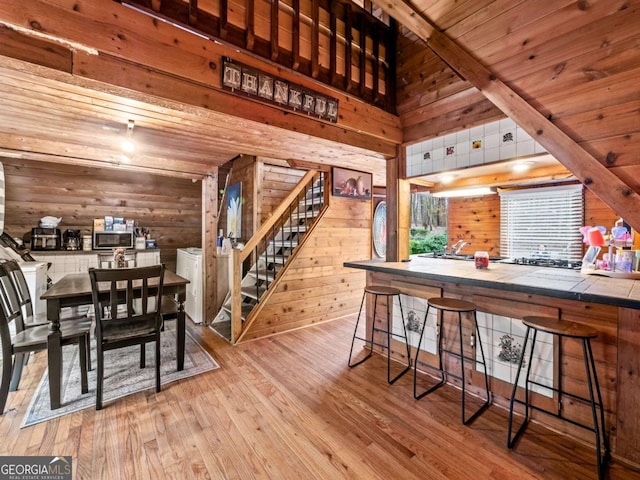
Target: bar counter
x: 552, y: 282
x: 609, y: 305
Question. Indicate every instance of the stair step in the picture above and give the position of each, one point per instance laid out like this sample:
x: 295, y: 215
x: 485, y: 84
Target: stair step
x: 263, y: 274
x: 246, y: 310
x: 305, y: 214
x: 277, y: 259
x: 294, y: 228
x: 283, y: 243
x: 314, y: 202
x: 253, y: 291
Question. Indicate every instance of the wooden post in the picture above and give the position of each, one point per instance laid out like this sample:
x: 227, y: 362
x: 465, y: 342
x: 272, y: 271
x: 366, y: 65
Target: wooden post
x: 404, y: 206
x: 235, y: 288
x: 398, y: 214
x: 209, y: 232
x: 392, y: 209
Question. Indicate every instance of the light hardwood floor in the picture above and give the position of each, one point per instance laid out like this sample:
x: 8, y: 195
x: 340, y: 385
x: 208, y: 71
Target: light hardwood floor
x: 288, y: 407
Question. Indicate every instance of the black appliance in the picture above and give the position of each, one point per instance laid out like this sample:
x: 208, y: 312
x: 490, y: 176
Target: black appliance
x: 45, y: 238
x: 111, y: 239
x: 72, y: 239
x: 544, y: 262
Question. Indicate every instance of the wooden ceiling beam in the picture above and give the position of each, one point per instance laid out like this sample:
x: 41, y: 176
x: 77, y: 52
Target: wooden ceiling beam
x: 540, y: 175
x: 593, y: 174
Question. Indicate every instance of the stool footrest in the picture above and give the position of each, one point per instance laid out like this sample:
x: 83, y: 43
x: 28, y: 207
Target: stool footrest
x: 562, y: 393
x: 366, y: 340
x: 557, y: 415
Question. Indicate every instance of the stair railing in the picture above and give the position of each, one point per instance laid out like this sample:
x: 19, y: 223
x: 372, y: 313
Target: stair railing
x: 266, y: 237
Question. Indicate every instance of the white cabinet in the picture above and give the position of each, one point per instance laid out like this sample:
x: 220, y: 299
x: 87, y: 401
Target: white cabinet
x: 35, y: 274
x: 63, y: 263
x: 189, y: 266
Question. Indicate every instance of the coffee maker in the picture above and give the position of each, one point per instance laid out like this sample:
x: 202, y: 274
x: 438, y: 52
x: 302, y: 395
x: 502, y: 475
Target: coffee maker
x: 71, y: 239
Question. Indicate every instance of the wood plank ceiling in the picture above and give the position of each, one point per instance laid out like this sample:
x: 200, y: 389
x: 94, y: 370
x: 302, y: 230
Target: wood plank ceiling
x: 566, y: 71
x: 84, y: 123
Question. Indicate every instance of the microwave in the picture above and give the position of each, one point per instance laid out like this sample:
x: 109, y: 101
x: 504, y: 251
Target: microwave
x: 111, y: 239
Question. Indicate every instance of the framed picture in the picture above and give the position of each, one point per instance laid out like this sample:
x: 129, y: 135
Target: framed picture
x: 234, y: 210
x: 351, y: 183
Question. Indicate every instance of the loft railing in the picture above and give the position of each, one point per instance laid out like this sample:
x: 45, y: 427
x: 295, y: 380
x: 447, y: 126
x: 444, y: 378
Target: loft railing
x: 284, y: 230
x: 332, y: 41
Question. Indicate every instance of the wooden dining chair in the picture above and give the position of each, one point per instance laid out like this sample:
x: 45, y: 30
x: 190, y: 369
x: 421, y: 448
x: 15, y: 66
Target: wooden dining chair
x: 19, y: 340
x: 19, y: 282
x: 127, y: 304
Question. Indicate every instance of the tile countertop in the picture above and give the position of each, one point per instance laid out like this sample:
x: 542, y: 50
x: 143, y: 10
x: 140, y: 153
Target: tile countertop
x: 553, y: 282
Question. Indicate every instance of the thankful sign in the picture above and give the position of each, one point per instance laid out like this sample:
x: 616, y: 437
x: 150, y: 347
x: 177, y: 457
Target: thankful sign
x: 244, y: 80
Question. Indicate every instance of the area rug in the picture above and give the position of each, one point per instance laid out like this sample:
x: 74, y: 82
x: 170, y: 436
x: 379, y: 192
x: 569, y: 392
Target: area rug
x: 122, y: 375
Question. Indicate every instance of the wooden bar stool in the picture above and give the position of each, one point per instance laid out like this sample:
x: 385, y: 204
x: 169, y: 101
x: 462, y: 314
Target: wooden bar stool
x: 584, y: 334
x: 389, y: 293
x: 455, y: 306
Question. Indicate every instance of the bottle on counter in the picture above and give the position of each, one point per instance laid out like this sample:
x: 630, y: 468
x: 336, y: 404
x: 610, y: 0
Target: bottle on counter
x: 481, y: 259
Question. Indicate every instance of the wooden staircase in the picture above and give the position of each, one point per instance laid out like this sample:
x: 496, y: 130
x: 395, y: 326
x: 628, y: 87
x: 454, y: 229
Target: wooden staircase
x: 269, y: 252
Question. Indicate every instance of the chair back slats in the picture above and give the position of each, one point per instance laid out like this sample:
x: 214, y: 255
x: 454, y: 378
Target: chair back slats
x: 126, y: 298
x: 21, y: 288
x: 9, y: 299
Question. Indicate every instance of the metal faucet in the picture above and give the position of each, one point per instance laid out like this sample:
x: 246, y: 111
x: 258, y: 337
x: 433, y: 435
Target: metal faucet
x: 458, y: 246
x: 462, y: 245
x: 452, y: 248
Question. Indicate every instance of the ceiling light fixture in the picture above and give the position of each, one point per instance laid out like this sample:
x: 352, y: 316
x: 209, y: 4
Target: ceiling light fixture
x: 447, y: 178
x: 466, y: 192
x: 127, y: 144
x: 521, y: 166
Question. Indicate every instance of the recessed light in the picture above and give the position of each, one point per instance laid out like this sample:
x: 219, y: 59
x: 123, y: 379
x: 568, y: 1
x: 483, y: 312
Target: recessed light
x: 128, y: 146
x: 521, y: 166
x: 446, y: 178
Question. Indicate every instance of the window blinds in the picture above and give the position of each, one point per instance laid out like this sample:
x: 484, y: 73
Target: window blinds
x: 542, y: 222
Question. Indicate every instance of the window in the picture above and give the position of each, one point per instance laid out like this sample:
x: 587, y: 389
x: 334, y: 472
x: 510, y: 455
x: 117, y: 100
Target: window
x: 542, y: 222
x: 428, y: 231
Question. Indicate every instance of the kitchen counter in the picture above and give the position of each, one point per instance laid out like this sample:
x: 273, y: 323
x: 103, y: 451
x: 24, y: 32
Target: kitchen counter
x: 505, y: 293
x: 551, y: 282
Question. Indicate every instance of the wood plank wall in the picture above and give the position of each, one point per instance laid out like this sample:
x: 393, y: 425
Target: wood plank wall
x: 169, y: 207
x: 317, y: 287
x: 276, y: 183
x: 477, y: 220
x: 424, y: 81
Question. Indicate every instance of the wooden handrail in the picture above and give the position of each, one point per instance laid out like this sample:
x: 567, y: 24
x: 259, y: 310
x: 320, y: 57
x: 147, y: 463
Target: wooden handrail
x: 275, y: 216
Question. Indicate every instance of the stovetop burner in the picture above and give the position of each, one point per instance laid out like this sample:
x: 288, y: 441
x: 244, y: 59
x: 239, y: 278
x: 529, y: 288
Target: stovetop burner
x: 544, y: 262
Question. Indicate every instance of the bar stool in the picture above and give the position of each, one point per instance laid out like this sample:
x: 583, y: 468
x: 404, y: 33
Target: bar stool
x: 567, y: 329
x: 454, y: 306
x: 389, y: 293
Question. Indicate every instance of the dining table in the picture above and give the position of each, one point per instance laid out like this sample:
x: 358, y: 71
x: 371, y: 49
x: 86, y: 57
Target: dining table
x: 74, y: 290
